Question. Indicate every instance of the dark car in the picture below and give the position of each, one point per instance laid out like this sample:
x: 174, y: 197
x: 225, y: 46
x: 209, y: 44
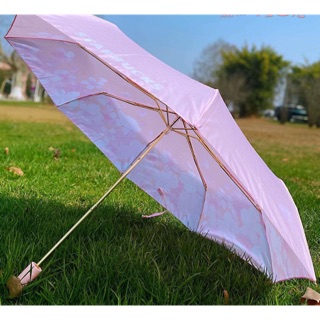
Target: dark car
x: 291, y: 113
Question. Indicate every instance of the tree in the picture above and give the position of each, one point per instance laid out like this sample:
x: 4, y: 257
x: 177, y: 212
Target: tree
x: 304, y: 88
x: 261, y: 70
x: 232, y: 87
x: 233, y: 90
x: 206, y: 66
x: 19, y: 75
x: 247, y: 77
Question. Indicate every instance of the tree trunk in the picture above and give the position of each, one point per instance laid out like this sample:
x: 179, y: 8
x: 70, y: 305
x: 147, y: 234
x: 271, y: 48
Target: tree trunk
x: 37, y: 92
x: 19, y: 86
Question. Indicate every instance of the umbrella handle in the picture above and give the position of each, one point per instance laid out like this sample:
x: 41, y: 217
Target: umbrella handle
x: 29, y: 273
x: 124, y: 174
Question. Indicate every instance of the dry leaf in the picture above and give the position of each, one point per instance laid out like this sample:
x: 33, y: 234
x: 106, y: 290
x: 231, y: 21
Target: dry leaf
x: 56, y: 154
x: 285, y: 159
x: 225, y: 297
x: 312, y: 297
x: 51, y: 148
x: 16, y: 171
x: 14, y: 286
x: 73, y: 150
x: 6, y: 150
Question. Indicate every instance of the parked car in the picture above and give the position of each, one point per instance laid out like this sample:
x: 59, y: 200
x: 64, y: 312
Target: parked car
x: 268, y: 113
x: 291, y: 113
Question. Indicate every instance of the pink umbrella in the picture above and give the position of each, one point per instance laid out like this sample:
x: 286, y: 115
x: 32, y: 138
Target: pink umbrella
x: 169, y: 134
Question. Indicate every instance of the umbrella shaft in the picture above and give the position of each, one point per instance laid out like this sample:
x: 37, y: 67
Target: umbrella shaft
x: 124, y: 174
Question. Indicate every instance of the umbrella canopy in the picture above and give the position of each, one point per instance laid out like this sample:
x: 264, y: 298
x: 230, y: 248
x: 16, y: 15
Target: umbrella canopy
x: 202, y: 169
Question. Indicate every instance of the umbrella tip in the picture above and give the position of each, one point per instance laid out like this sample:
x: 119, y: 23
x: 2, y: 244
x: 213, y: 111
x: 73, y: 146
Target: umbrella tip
x: 16, y: 284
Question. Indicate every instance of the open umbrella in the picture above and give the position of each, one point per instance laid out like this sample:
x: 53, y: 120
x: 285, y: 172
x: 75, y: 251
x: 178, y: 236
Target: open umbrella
x: 169, y: 134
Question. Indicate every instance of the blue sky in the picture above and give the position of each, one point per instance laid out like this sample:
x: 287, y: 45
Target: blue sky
x: 179, y: 39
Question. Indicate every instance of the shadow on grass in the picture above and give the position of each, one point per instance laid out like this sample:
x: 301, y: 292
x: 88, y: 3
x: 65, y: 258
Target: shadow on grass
x: 117, y: 258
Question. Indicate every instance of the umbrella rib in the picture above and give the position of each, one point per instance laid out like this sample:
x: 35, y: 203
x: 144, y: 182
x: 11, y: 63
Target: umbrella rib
x: 194, y: 157
x: 230, y: 175
x: 45, y: 39
x: 138, y: 159
x: 185, y: 134
x: 198, y: 168
x: 186, y: 129
x: 124, y: 78
x: 136, y: 104
x: 159, y: 109
x: 167, y: 113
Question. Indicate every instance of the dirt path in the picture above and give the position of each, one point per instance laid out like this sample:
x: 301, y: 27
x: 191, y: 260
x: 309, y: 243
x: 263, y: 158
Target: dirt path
x: 42, y: 113
x: 264, y: 132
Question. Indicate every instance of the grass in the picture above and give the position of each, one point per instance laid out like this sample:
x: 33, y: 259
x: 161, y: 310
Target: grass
x: 115, y: 257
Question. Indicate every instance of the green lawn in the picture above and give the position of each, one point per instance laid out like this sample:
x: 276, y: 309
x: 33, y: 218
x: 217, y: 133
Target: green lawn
x: 115, y: 257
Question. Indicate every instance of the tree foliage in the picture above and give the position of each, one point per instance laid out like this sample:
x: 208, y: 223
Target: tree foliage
x: 205, y: 68
x: 261, y: 70
x: 233, y: 90
x: 304, y: 87
x: 246, y: 77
